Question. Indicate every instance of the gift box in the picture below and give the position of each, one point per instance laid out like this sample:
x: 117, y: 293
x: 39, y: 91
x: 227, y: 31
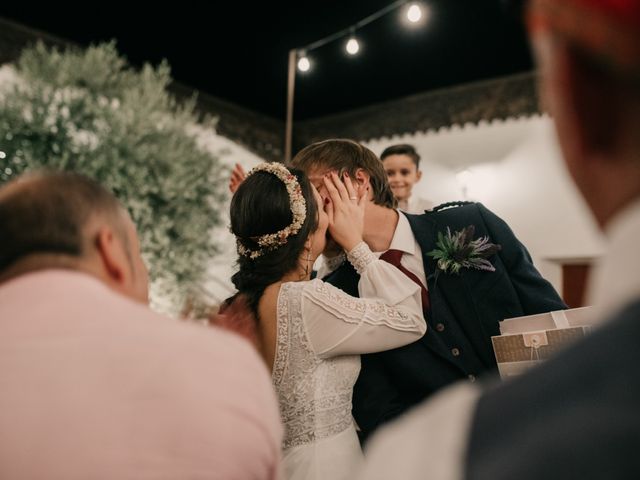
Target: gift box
x: 526, y: 341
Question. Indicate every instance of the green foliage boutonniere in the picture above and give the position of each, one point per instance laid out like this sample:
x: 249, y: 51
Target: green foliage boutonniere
x: 457, y: 251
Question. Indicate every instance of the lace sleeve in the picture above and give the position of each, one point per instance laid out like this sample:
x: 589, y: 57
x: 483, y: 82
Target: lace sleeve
x: 338, y: 324
x: 361, y: 257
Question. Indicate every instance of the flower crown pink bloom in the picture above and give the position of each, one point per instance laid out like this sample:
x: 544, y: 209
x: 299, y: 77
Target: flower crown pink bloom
x: 298, y: 205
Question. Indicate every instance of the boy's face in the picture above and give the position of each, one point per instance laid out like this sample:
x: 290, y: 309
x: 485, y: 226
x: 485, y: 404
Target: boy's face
x: 403, y: 175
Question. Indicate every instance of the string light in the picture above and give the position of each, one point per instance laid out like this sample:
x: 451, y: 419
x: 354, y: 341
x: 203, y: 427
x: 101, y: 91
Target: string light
x: 298, y: 56
x: 304, y: 65
x: 352, y: 46
x: 414, y: 13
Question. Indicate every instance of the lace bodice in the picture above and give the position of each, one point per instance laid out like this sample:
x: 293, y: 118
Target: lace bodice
x: 321, y: 331
x: 314, y: 394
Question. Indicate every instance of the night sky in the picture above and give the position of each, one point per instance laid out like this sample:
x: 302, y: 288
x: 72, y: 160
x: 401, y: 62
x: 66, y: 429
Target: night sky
x: 238, y: 50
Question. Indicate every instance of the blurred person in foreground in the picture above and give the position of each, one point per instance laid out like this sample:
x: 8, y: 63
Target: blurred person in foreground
x: 93, y: 383
x: 577, y: 415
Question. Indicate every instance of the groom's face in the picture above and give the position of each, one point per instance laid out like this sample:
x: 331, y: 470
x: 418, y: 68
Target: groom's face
x: 316, y: 176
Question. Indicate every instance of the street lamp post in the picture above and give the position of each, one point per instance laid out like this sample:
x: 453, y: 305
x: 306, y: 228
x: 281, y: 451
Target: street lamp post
x: 290, y: 88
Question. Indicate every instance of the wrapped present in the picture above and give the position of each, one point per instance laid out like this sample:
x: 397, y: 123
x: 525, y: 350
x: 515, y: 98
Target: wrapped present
x: 526, y: 341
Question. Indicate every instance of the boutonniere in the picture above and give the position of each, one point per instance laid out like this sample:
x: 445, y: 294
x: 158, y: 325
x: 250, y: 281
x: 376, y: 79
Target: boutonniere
x: 457, y: 250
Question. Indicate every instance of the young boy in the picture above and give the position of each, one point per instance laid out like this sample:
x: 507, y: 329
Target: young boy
x: 401, y: 163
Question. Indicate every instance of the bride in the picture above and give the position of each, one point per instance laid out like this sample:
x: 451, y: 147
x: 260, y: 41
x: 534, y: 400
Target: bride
x: 309, y: 332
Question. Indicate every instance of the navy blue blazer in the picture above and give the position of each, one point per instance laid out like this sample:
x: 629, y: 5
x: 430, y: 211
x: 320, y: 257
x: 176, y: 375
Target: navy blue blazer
x: 575, y: 416
x: 465, y: 311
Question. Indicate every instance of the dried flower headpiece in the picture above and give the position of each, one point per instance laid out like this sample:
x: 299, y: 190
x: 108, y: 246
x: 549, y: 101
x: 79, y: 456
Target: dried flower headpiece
x: 298, y: 205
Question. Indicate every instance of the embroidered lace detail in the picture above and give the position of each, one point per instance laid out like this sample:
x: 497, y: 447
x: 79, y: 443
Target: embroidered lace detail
x: 360, y: 257
x: 314, y: 394
x: 357, y: 310
x: 282, y: 337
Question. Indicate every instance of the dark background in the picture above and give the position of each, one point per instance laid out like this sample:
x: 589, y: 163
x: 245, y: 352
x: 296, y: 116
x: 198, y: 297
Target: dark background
x: 238, y: 51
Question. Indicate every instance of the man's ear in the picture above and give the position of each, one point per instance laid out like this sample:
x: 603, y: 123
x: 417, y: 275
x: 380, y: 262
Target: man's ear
x: 418, y: 174
x: 363, y: 181
x: 113, y: 256
x: 362, y: 177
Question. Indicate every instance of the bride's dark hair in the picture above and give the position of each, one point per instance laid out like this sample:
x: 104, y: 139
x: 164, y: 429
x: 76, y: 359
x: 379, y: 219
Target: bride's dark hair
x: 261, y: 205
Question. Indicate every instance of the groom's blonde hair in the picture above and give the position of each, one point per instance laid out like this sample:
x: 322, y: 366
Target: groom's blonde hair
x: 345, y: 155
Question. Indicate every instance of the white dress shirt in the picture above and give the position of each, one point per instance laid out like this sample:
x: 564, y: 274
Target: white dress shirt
x: 404, y: 241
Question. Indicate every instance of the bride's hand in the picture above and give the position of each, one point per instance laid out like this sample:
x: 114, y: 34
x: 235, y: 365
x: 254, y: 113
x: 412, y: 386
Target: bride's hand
x: 345, y: 210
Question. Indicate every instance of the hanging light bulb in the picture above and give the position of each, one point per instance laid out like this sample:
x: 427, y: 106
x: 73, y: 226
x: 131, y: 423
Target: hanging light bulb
x: 414, y: 13
x: 352, y: 46
x: 303, y: 63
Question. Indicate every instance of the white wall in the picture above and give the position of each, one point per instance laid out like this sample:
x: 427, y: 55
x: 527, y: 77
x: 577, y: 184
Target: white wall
x: 222, y: 266
x: 515, y: 169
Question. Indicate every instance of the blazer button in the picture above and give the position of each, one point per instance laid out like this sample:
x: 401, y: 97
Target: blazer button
x: 440, y: 327
x: 455, y: 351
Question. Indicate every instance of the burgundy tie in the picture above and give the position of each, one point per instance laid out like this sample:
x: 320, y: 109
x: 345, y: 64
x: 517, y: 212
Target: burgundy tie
x: 393, y: 257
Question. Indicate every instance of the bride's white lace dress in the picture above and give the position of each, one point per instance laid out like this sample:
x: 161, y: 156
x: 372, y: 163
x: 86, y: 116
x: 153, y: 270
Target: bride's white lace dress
x: 321, y: 331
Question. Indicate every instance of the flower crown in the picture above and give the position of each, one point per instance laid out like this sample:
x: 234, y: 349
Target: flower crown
x: 298, y: 205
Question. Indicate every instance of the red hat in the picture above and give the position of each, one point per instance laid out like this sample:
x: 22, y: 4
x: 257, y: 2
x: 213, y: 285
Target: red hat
x: 609, y: 29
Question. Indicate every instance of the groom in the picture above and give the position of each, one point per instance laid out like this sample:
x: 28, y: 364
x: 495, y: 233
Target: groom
x: 462, y: 310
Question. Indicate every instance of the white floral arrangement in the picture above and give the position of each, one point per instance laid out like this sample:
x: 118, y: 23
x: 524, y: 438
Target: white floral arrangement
x: 86, y: 110
x: 298, y: 205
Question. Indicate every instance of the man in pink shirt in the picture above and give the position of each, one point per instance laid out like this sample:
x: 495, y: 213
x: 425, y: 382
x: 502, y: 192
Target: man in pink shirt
x: 93, y: 384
